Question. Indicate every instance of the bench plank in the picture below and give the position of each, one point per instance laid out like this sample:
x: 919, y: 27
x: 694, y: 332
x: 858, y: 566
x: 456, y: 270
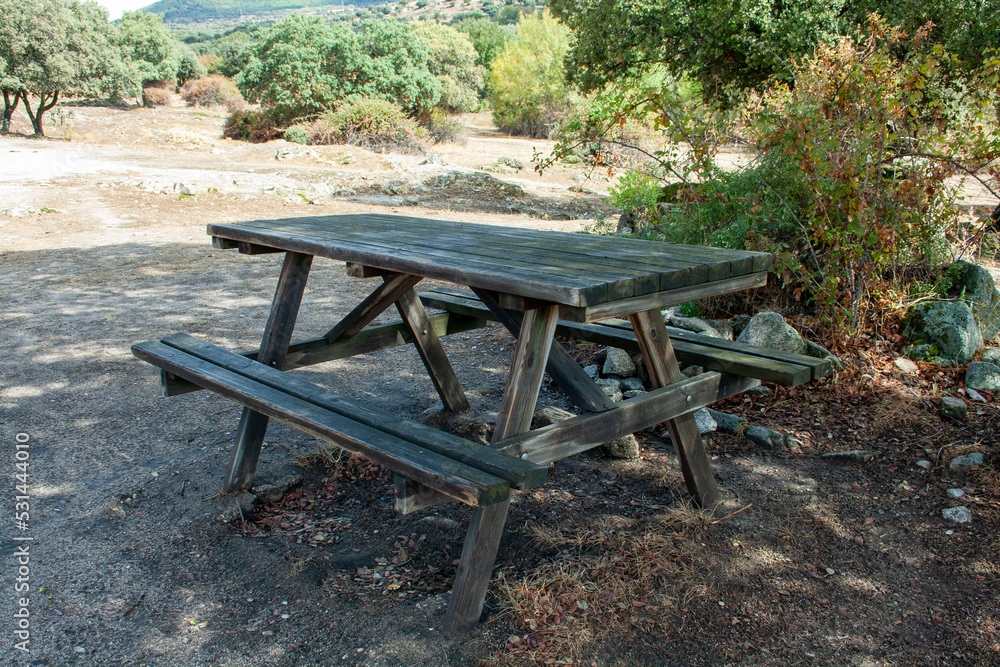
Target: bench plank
x: 712, y: 353
x: 453, y: 478
x: 520, y: 474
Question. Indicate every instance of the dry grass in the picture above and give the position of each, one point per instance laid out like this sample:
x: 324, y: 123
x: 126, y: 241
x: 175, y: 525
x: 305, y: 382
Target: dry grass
x: 619, y: 575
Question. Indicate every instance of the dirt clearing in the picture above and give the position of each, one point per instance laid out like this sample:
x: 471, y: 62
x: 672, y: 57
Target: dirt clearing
x: 820, y: 561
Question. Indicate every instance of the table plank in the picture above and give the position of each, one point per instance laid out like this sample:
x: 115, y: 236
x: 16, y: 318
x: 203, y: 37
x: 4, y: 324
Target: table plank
x: 569, y: 269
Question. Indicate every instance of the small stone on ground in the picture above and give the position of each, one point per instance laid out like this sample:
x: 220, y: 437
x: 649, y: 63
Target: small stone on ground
x: 960, y: 514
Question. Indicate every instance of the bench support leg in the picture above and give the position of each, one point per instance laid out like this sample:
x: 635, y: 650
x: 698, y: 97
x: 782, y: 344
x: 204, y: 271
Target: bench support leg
x: 273, y: 347
x: 431, y: 352
x: 475, y: 568
x: 663, y: 370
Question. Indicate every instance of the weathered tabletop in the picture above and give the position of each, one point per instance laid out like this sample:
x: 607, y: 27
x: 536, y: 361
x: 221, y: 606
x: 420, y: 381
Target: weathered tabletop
x: 576, y: 271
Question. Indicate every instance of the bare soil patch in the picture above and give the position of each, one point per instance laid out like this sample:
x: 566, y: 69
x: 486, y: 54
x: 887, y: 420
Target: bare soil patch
x: 811, y: 560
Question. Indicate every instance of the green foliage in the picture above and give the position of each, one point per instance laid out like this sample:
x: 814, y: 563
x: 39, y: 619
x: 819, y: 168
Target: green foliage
x: 530, y: 94
x: 375, y: 124
x: 149, y: 46
x: 442, y: 126
x: 54, y: 47
x: 486, y: 36
x: 731, y: 45
x: 212, y: 91
x: 188, y: 66
x: 636, y: 193
x: 297, y: 134
x: 452, y: 59
x: 303, y: 66
x: 511, y: 162
x: 847, y: 189
x: 254, y: 125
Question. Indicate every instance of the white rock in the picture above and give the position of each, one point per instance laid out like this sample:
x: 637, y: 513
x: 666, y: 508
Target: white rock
x: 975, y: 395
x: 960, y: 514
x: 925, y: 464
x: 906, y: 365
x: 955, y: 494
x: 705, y: 422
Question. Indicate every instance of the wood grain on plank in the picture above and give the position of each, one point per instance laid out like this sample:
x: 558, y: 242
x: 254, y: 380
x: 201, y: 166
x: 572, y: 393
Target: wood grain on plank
x: 431, y: 351
x: 578, y: 434
x: 373, y: 305
x: 518, y: 473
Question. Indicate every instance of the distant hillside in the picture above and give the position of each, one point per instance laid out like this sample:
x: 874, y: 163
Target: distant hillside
x: 201, y: 11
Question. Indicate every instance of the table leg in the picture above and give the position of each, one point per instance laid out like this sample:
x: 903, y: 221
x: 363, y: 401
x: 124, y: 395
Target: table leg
x: 431, y: 352
x: 663, y: 370
x: 574, y: 382
x: 273, y: 347
x: 479, y: 553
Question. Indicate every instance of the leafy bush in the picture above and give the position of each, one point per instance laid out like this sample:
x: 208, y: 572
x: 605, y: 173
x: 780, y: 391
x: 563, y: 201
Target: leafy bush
x: 442, y: 126
x: 253, y: 125
x: 512, y: 162
x: 156, y: 96
x: 530, y: 94
x: 212, y: 91
x: 849, y: 185
x: 452, y: 59
x: 297, y: 134
x: 305, y: 66
x: 370, y: 123
x: 637, y: 193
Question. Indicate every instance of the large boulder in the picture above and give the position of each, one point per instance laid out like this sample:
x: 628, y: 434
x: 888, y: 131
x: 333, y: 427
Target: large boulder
x: 771, y: 330
x: 948, y: 326
x: 974, y: 284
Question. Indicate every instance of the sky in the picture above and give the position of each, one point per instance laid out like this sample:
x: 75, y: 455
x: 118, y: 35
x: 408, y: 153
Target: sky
x: 116, y: 7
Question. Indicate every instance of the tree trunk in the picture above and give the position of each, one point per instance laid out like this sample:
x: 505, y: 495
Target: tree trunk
x: 43, y: 106
x: 8, y: 109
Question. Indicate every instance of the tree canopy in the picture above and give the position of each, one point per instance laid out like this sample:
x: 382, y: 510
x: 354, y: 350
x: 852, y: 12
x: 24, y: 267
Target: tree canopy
x: 303, y: 66
x: 54, y: 47
x: 737, y: 44
x: 452, y: 59
x: 530, y: 93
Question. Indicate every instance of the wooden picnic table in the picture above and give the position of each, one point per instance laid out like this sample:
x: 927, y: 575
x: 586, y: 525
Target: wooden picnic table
x: 534, y: 283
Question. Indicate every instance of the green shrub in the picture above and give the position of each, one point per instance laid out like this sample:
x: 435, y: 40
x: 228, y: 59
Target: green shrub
x: 510, y: 162
x: 836, y: 189
x: 442, y: 126
x: 637, y: 193
x: 370, y: 123
x: 530, y: 94
x: 253, y: 125
x: 297, y: 134
x: 213, y: 91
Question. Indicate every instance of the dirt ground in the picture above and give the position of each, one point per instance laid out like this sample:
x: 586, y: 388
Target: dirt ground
x: 811, y: 559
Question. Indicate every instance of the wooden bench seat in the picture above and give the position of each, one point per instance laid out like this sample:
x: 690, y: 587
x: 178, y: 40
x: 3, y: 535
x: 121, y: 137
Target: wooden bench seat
x: 713, y: 354
x: 466, y: 471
